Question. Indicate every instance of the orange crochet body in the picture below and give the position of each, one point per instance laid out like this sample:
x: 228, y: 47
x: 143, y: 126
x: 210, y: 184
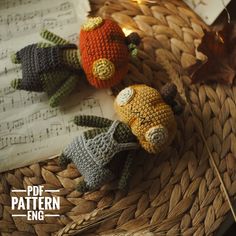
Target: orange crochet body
x: 104, y: 54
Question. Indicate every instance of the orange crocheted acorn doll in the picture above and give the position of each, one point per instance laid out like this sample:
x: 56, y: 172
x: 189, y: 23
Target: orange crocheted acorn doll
x: 102, y: 52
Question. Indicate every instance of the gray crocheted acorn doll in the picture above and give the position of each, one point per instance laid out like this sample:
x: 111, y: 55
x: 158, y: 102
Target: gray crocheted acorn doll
x: 147, y: 121
x: 94, y: 149
x: 102, y: 52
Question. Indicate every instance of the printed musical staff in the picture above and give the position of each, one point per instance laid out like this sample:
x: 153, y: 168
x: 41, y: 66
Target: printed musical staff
x: 6, y: 90
x: 10, y: 130
x: 8, y: 103
x: 18, y: 24
x: 6, y: 4
x: 73, y: 37
x: 3, y: 53
x: 16, y: 18
x: 30, y: 130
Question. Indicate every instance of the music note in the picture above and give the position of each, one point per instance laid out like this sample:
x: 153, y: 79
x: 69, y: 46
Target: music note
x: 73, y: 37
x: 65, y: 6
x: 32, y: 21
x: 3, y: 54
x: 1, y: 99
x: 27, y: 122
x: 17, y: 124
x: 6, y: 4
x: 3, y: 143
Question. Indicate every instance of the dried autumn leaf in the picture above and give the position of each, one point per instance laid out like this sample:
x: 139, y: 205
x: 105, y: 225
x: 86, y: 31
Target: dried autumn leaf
x: 220, y: 49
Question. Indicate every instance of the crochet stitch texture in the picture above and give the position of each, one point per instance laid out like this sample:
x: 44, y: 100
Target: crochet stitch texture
x: 94, y: 149
x: 106, y: 41
x: 36, y: 60
x: 50, y: 67
x: 146, y: 117
x: 102, y: 53
x: 151, y: 120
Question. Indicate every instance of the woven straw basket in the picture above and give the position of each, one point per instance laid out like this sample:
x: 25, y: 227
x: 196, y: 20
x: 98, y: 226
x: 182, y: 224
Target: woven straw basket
x: 176, y: 193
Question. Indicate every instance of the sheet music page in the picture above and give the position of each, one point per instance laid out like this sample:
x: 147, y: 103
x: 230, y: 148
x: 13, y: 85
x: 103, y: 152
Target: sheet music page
x: 30, y: 130
x: 208, y: 10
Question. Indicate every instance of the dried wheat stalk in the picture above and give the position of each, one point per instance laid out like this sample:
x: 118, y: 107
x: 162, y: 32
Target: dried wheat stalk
x: 88, y: 221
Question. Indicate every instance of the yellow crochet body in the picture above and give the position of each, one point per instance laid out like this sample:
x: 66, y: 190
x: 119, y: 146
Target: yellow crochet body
x: 150, y: 118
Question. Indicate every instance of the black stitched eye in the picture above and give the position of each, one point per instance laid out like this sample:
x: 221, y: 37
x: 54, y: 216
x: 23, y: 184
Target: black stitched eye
x: 143, y: 120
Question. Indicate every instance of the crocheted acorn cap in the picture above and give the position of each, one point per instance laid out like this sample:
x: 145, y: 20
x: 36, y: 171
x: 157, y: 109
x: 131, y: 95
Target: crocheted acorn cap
x: 150, y: 118
x: 104, y: 52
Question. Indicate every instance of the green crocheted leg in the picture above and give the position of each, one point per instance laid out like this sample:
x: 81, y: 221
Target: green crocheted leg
x: 82, y: 187
x: 16, y: 83
x: 46, y: 34
x: 92, y: 121
x: 63, y: 91
x: 126, y: 172
x: 71, y: 58
x: 15, y: 59
x: 53, y: 80
x: 63, y: 160
x: 44, y: 45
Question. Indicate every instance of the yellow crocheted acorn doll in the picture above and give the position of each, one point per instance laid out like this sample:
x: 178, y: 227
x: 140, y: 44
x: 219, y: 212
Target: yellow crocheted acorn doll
x: 147, y: 120
x: 148, y: 115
